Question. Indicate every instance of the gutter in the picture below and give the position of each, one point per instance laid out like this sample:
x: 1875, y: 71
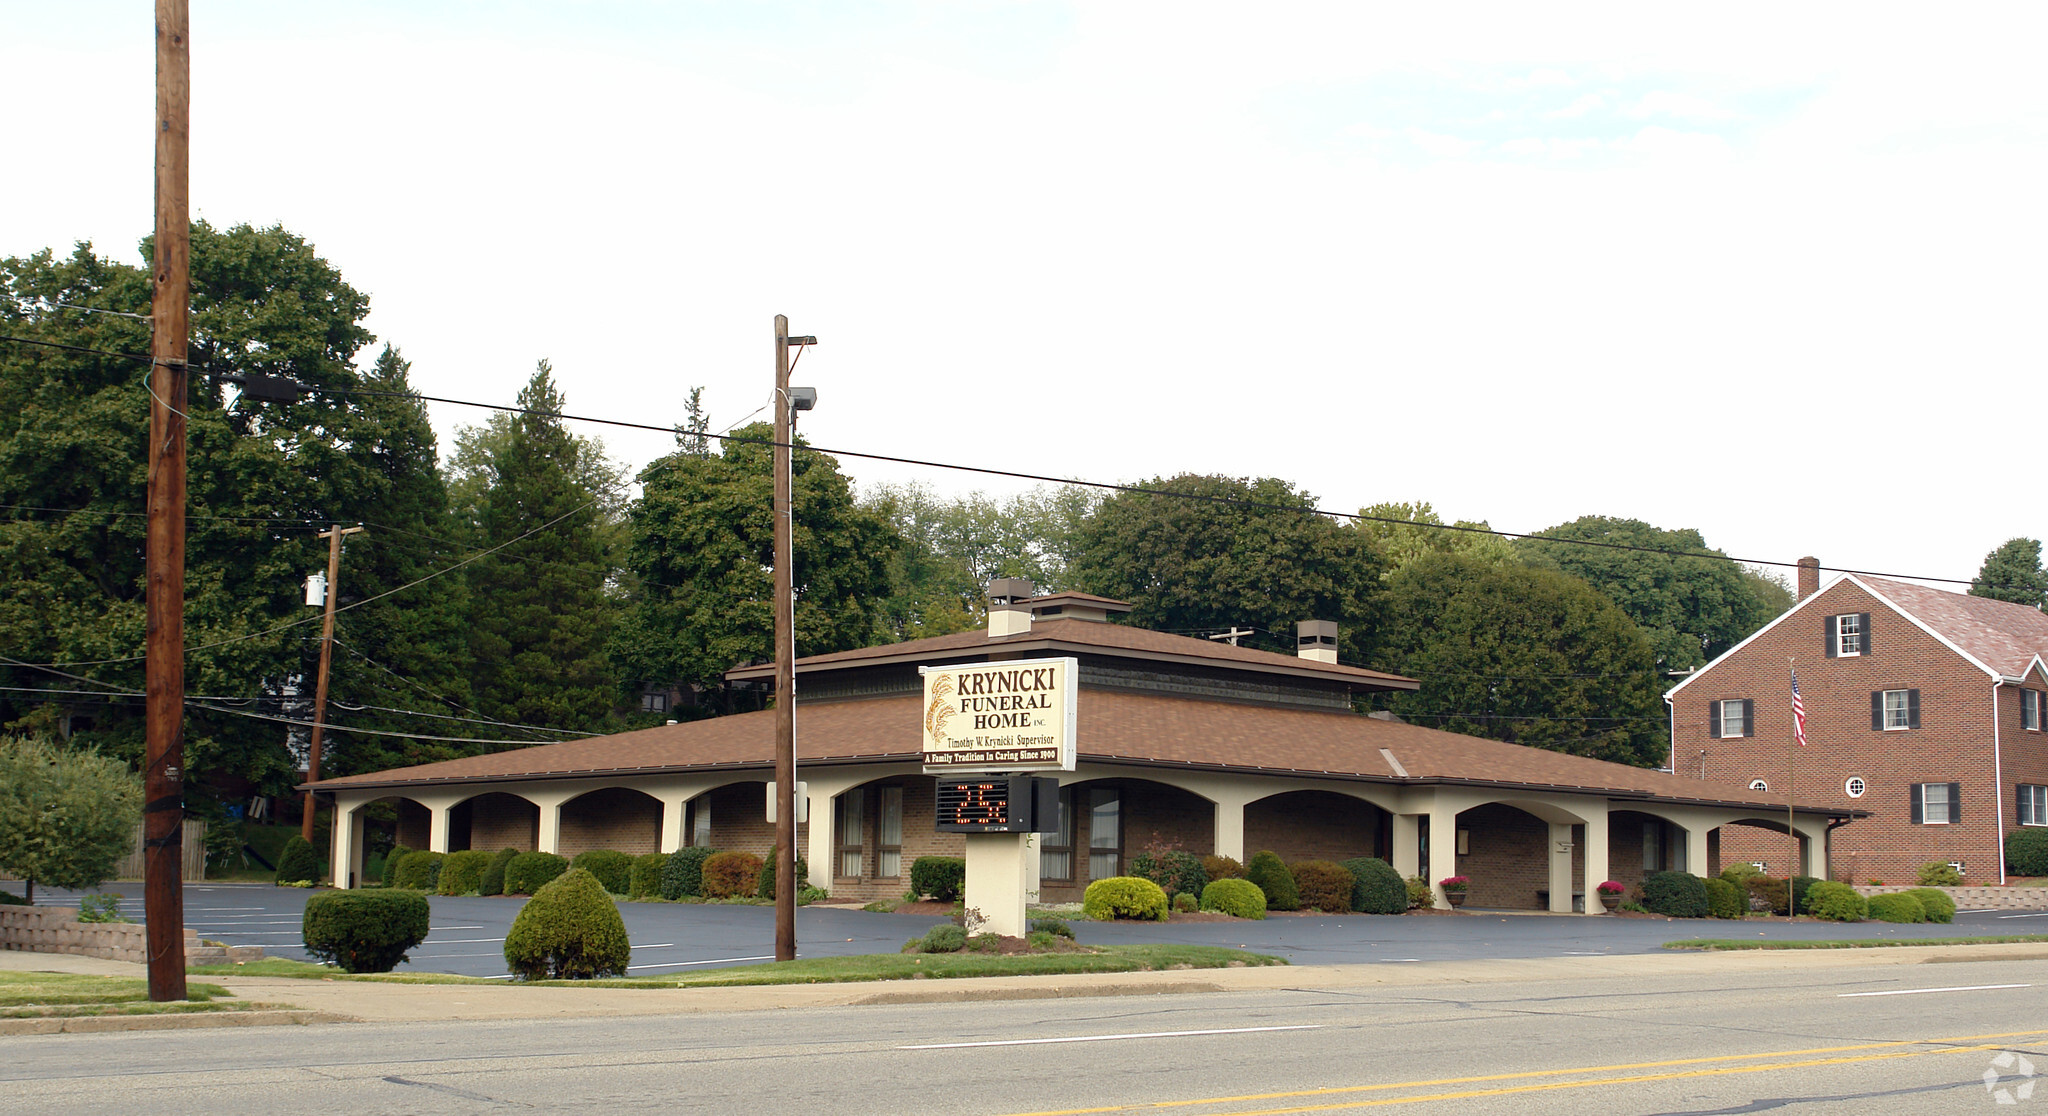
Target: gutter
x: 1998, y: 778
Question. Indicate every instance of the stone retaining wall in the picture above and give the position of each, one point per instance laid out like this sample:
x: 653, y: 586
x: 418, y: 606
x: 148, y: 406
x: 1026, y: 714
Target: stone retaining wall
x: 1980, y: 898
x: 57, y: 930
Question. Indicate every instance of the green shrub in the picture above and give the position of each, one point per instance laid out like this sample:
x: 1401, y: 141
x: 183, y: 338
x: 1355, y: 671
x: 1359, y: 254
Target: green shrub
x: 420, y: 871
x: 10, y: 899
x: 1054, y: 926
x: 528, y: 872
x: 391, y: 859
x: 298, y: 862
x: 943, y: 878
x: 2026, y: 852
x: 1221, y: 868
x: 1375, y: 887
x: 1740, y: 874
x: 1940, y: 906
x: 1830, y: 900
x: 569, y: 930
x: 1420, y: 894
x: 1185, y: 903
x: 1124, y: 897
x: 764, y: 883
x: 614, y: 870
x: 731, y: 875
x: 1897, y: 906
x: 1173, y: 870
x: 1273, y: 878
x: 463, y: 872
x: 684, y: 873
x: 646, y: 878
x: 1676, y: 894
x: 1231, y: 896
x: 1769, y: 892
x: 1041, y: 941
x: 100, y: 908
x: 1802, y: 887
x: 492, y: 882
x: 364, y: 931
x: 1939, y: 873
x: 1725, y: 900
x: 1323, y: 886
x: 946, y: 937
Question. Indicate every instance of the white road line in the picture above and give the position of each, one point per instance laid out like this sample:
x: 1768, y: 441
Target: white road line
x: 1918, y: 991
x: 459, y: 941
x: 1112, y: 1038
x: 687, y: 964
x: 1401, y: 959
x: 2042, y: 914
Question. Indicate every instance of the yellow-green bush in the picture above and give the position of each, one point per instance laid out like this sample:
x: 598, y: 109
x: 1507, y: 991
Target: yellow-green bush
x: 1897, y: 906
x: 1725, y: 899
x: 463, y: 872
x: 1939, y: 873
x: 1124, y: 897
x: 421, y: 871
x: 1241, y: 898
x: 569, y: 930
x: 1839, y: 902
x: 1940, y: 906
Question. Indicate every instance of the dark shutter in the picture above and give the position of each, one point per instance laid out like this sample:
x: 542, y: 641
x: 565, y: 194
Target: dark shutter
x: 1863, y: 633
x: 1748, y: 717
x: 1955, y: 802
x: 1877, y: 710
x: 1714, y: 719
x: 1912, y: 709
x: 1917, y: 816
x: 1830, y: 639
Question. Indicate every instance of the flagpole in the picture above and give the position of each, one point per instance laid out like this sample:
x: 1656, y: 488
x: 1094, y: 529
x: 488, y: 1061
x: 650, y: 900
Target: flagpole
x: 1791, y: 771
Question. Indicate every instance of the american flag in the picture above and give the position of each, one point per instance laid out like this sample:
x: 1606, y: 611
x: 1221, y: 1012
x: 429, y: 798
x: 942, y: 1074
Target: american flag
x: 1798, y: 713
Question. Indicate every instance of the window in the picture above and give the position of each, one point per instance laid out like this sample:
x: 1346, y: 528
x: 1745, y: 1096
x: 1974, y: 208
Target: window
x: 2030, y: 710
x: 654, y: 702
x: 1854, y: 786
x: 700, y: 821
x: 1892, y: 710
x: 1759, y: 785
x: 1848, y: 635
x: 889, y: 834
x: 1105, y: 837
x: 1653, y: 846
x: 1733, y: 717
x: 1056, y: 852
x: 1937, y: 803
x: 2033, y: 804
x: 852, y: 826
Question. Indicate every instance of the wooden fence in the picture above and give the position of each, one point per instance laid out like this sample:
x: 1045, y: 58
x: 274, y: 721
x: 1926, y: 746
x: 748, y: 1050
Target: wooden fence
x: 194, y: 864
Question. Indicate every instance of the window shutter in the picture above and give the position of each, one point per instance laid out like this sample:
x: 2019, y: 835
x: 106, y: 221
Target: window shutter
x: 1863, y: 634
x: 1748, y: 717
x: 1829, y: 638
x: 1912, y: 709
x: 1714, y: 719
x: 1955, y: 802
x: 1877, y: 710
x: 1917, y: 818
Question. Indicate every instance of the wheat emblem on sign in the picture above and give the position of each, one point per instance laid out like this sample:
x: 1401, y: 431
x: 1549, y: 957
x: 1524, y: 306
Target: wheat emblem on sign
x: 939, y: 711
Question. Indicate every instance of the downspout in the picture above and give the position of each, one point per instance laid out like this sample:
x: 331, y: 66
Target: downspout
x: 1998, y: 777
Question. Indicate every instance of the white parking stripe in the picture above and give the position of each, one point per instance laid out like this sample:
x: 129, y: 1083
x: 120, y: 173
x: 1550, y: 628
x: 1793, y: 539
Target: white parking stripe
x: 1111, y: 1038
x: 1918, y: 991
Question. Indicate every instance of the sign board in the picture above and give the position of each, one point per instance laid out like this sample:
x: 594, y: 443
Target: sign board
x: 1016, y: 715
x: 999, y: 804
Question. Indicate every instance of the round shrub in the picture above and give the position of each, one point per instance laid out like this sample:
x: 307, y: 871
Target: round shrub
x: 731, y: 875
x: 1897, y: 906
x: 391, y: 859
x: 364, y: 931
x: 1677, y: 894
x: 684, y: 873
x: 1323, y: 886
x: 528, y: 872
x: 1124, y: 897
x: 1725, y: 900
x: 1185, y: 903
x: 1273, y: 878
x: 1221, y: 868
x: 614, y: 870
x: 1375, y: 887
x: 298, y: 862
x: 646, y: 878
x: 943, y: 878
x: 1055, y: 926
x: 463, y: 872
x: 1939, y: 873
x: 764, y: 883
x: 943, y: 938
x: 1174, y: 871
x: 2026, y: 852
x: 569, y: 930
x: 1940, y: 906
x: 1740, y: 874
x: 492, y: 882
x: 1839, y: 902
x: 420, y: 871
x: 1239, y: 898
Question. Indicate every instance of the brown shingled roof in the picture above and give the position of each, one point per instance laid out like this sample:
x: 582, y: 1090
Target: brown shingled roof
x: 2000, y: 634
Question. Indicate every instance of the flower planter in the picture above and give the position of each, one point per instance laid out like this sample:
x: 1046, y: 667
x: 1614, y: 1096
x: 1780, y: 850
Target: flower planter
x: 1457, y: 898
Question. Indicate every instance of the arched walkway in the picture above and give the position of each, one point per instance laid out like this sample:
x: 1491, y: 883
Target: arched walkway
x: 1317, y: 825
x: 1106, y: 822
x: 494, y: 821
x: 1506, y: 852
x: 878, y: 830
x: 615, y: 818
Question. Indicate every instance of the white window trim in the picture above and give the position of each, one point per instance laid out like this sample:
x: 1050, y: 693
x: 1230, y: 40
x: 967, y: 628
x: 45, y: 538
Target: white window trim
x: 2040, y: 809
x: 1905, y: 711
x: 1848, y: 645
x: 1947, y: 807
x: 1854, y: 786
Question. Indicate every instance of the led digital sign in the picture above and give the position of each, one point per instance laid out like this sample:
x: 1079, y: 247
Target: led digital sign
x: 998, y: 804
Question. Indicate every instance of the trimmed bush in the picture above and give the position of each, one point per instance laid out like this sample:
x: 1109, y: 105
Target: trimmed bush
x: 1676, y: 894
x: 2026, y: 852
x: 646, y: 878
x: 569, y: 930
x: 1124, y: 897
x: 463, y: 872
x: 1272, y: 877
x: 1939, y: 873
x: 1185, y: 903
x: 1830, y: 900
x: 420, y: 871
x: 492, y: 882
x: 731, y: 875
x: 1174, y: 871
x: 684, y: 873
x: 946, y: 937
x: 1740, y: 874
x: 1769, y: 892
x: 614, y: 870
x: 1940, y: 906
x: 1240, y: 898
x: 1055, y: 926
x: 298, y: 862
x: 764, y: 884
x: 943, y: 878
x: 1802, y: 886
x: 1375, y: 887
x: 1323, y: 886
x: 391, y: 859
x: 1897, y: 906
x: 528, y: 872
x: 364, y: 931
x: 1420, y: 894
x: 1725, y: 900
x: 1221, y: 868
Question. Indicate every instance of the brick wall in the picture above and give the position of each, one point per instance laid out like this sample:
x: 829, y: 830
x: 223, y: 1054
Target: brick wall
x: 739, y: 820
x: 615, y: 818
x: 920, y: 838
x: 1508, y: 860
x: 1314, y: 825
x: 503, y: 821
x: 413, y: 825
x: 1151, y: 816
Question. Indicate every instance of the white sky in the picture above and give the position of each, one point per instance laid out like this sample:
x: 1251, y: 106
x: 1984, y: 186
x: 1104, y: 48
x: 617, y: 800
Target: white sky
x: 1771, y: 271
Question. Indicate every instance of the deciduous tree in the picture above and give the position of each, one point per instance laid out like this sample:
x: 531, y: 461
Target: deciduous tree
x: 66, y: 817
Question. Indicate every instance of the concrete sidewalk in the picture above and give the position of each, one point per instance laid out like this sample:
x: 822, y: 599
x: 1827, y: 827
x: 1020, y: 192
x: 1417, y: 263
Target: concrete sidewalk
x: 378, y: 1002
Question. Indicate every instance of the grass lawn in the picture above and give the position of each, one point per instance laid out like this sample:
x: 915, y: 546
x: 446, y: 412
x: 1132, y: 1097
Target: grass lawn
x: 38, y: 995
x: 1847, y: 943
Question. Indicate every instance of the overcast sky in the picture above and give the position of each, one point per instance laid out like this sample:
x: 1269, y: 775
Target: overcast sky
x: 1771, y: 271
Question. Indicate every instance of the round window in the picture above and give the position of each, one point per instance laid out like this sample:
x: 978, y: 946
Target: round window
x: 1759, y: 784
x: 1854, y: 787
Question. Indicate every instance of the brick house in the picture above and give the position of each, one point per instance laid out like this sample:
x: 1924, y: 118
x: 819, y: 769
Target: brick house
x: 1182, y: 743
x: 1924, y: 707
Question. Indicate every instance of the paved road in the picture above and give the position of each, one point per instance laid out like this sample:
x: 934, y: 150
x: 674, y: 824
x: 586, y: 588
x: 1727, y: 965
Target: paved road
x: 1846, y: 1039
x: 468, y: 933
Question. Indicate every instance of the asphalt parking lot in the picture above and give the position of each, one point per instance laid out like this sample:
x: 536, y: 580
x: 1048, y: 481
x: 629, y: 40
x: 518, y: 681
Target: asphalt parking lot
x: 468, y: 933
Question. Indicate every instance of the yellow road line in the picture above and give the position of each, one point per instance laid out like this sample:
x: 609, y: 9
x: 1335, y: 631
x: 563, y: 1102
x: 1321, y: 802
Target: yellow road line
x: 1950, y: 1043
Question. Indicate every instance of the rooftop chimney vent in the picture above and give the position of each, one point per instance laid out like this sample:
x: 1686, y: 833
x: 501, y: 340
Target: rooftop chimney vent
x: 1008, y: 615
x: 1316, y: 639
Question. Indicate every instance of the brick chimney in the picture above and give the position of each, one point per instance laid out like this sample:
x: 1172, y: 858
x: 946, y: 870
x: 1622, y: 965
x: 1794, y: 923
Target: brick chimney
x: 1008, y: 615
x: 1809, y: 577
x: 1316, y: 639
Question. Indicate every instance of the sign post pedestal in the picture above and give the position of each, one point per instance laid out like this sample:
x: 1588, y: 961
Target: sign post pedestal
x: 996, y: 882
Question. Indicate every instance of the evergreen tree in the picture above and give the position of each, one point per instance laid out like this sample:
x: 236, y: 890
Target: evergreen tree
x: 2013, y: 573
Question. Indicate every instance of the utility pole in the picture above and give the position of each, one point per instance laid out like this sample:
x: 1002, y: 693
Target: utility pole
x: 785, y: 662
x: 163, y: 772
x: 333, y: 535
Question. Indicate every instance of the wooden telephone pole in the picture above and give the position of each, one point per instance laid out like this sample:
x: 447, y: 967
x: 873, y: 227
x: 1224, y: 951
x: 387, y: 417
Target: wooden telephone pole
x: 163, y: 776
x: 333, y: 535
x: 785, y: 662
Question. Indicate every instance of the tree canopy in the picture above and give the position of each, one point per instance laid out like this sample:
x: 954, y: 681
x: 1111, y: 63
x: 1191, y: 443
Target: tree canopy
x: 1401, y: 533
x: 953, y: 547
x: 66, y: 817
x: 2012, y: 572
